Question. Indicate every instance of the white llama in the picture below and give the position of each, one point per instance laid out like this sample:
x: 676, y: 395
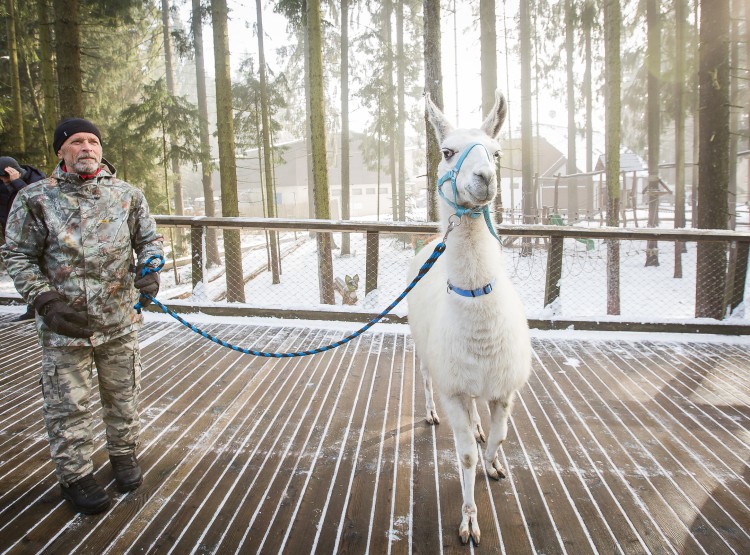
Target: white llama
x: 466, y: 318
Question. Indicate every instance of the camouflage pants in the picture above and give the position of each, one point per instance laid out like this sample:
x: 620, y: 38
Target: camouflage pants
x: 67, y: 381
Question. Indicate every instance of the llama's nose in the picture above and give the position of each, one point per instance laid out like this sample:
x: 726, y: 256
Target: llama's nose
x: 485, y: 175
x: 486, y: 178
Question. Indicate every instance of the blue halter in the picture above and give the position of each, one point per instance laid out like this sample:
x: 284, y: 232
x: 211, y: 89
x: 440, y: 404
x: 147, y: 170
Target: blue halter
x: 451, y: 175
x: 471, y: 212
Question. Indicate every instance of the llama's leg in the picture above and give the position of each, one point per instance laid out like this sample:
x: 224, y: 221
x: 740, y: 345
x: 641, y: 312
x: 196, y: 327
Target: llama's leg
x: 476, y: 423
x: 459, y: 410
x: 429, y: 398
x: 499, y: 412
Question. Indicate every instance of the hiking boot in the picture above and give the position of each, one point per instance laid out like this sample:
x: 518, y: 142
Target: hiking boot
x: 86, y: 495
x: 127, y: 472
x: 28, y: 315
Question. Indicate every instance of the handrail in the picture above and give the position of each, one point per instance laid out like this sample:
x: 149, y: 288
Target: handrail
x: 531, y: 230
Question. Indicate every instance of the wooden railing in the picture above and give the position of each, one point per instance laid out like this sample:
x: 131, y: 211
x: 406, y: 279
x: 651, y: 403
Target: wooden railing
x: 738, y: 243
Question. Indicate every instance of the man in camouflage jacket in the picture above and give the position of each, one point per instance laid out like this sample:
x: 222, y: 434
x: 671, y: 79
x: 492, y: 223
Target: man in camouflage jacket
x: 69, y: 248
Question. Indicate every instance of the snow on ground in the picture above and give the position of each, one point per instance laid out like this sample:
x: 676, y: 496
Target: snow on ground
x: 647, y: 293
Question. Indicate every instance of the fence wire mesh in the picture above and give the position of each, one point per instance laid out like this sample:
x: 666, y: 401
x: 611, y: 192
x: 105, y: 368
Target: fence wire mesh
x: 368, y: 273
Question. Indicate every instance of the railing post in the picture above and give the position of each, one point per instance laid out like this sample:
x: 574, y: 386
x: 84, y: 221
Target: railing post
x: 371, y: 261
x: 554, y: 271
x: 738, y: 256
x: 197, y: 233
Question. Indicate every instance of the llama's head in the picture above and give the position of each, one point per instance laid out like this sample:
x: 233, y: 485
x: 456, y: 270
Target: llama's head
x: 475, y: 150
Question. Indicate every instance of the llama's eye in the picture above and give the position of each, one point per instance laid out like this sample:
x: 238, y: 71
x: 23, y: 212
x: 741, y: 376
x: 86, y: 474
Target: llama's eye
x: 498, y: 154
x: 448, y: 153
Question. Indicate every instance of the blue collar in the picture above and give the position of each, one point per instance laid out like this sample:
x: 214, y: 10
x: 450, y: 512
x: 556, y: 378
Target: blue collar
x: 485, y: 290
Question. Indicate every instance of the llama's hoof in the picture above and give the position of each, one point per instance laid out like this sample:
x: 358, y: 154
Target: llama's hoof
x: 479, y: 434
x: 432, y: 417
x: 469, y: 526
x: 495, y: 469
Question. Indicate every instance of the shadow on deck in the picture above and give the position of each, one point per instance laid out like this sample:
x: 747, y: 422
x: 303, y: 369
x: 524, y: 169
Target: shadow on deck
x: 616, y: 445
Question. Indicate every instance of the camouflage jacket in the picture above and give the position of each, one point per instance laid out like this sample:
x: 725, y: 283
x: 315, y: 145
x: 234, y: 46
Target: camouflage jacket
x: 78, y: 237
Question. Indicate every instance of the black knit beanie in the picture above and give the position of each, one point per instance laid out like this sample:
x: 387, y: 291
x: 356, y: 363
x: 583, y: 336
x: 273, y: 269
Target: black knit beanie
x: 6, y: 161
x: 69, y: 127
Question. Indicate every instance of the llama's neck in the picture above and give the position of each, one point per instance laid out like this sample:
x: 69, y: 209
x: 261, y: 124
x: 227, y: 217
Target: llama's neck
x: 472, y: 256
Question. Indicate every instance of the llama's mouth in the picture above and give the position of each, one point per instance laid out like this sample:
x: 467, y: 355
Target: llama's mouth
x: 480, y: 195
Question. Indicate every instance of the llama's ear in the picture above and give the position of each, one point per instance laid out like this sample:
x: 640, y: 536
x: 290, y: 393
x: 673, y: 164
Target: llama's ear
x: 439, y: 122
x: 496, y: 117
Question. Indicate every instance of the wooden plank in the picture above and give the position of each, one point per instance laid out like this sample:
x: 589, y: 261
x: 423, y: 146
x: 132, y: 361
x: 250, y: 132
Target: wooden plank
x: 616, y: 508
x: 323, y: 454
x: 366, y: 518
x: 624, y: 446
x: 585, y: 384
x: 174, y: 402
x: 427, y: 520
x: 347, y: 435
x: 253, y: 491
x: 200, y: 460
x: 659, y: 484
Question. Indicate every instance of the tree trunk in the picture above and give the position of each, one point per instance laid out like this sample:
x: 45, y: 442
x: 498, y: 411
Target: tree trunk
x: 227, y: 161
x: 571, y: 165
x: 320, y: 169
x: 345, y: 188
x: 653, y: 62
x: 589, y: 16
x: 734, y: 99
x: 68, y: 51
x: 612, y: 21
x: 433, y: 77
x: 527, y: 149
x: 16, y: 126
x: 488, y: 60
x: 33, y: 98
x: 179, y: 202
x: 713, y: 157
x: 696, y: 119
x: 747, y: 98
x: 267, y: 162
x: 390, y: 108
x: 488, y: 53
x: 308, y: 130
x: 47, y: 77
x: 401, y: 125
x: 509, y: 125
x: 679, y: 129
x: 212, y: 246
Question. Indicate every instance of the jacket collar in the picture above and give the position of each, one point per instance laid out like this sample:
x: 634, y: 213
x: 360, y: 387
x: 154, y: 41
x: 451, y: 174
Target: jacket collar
x: 105, y: 170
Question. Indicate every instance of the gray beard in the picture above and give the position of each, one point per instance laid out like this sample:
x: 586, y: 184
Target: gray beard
x: 85, y: 166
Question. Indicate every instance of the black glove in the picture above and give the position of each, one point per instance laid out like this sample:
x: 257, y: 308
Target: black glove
x: 146, y: 284
x: 60, y: 317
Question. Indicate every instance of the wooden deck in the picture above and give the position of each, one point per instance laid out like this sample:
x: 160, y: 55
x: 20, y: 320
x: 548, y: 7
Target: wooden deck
x: 615, y: 446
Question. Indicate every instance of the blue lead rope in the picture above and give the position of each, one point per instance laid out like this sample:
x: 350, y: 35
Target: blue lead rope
x: 439, y: 249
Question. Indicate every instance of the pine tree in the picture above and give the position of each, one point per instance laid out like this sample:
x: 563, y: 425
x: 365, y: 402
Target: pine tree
x: 212, y: 246
x: 267, y: 160
x: 227, y: 161
x: 320, y: 169
x: 713, y: 161
x: 612, y: 77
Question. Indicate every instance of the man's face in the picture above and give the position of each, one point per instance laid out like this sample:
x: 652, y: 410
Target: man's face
x: 82, y: 153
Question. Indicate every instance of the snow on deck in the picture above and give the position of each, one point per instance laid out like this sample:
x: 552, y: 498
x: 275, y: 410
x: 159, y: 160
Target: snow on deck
x: 619, y: 443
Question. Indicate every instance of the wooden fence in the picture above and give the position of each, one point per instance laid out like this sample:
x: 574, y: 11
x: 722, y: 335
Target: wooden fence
x: 737, y: 243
